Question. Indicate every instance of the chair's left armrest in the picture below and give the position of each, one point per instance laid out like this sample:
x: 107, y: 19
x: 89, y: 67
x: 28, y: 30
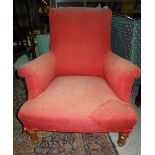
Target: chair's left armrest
x: 38, y: 73
x: 120, y: 74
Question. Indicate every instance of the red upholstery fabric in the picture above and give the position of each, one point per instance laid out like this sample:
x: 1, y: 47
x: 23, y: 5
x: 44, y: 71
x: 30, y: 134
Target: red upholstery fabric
x: 38, y: 74
x: 120, y: 75
x: 80, y: 37
x: 80, y: 43
x: 78, y: 104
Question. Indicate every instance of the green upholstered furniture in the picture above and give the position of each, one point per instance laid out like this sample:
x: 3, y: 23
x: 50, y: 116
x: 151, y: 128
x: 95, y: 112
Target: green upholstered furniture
x: 126, y: 39
x: 43, y: 41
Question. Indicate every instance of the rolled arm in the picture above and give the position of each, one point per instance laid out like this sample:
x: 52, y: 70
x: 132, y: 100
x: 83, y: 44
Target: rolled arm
x: 38, y: 73
x: 120, y: 74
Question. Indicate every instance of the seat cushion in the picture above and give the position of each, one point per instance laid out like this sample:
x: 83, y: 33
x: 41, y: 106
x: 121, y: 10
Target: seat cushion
x: 78, y: 104
x: 80, y: 37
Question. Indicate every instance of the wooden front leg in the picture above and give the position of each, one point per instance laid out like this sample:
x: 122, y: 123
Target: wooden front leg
x: 122, y: 138
x: 34, y: 136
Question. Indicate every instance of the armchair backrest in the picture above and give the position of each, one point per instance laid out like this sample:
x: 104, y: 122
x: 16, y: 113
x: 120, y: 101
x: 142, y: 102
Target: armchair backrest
x: 79, y: 38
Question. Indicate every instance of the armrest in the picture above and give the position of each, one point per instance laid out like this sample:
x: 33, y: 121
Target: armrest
x: 38, y: 74
x: 120, y: 74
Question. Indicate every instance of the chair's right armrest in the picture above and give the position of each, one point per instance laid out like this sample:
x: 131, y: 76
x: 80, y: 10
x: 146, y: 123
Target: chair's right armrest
x: 38, y: 73
x: 120, y: 74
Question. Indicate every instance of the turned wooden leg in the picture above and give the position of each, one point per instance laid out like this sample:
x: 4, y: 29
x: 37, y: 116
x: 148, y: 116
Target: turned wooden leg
x: 122, y: 138
x: 33, y: 135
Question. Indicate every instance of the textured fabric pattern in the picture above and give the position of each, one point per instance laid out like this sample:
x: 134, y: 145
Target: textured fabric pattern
x: 136, y: 47
x: 136, y: 43
x: 80, y: 43
x: 126, y: 39
x: 120, y: 75
x: 122, y: 32
x: 55, y: 143
x: 79, y: 39
x: 78, y: 104
x: 43, y: 42
x: 38, y: 74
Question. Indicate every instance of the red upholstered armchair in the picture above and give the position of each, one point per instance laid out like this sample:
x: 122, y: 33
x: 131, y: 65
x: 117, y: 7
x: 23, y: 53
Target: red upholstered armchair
x: 79, y: 85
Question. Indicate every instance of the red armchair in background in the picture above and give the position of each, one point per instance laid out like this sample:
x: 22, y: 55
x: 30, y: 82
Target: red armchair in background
x: 79, y: 85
